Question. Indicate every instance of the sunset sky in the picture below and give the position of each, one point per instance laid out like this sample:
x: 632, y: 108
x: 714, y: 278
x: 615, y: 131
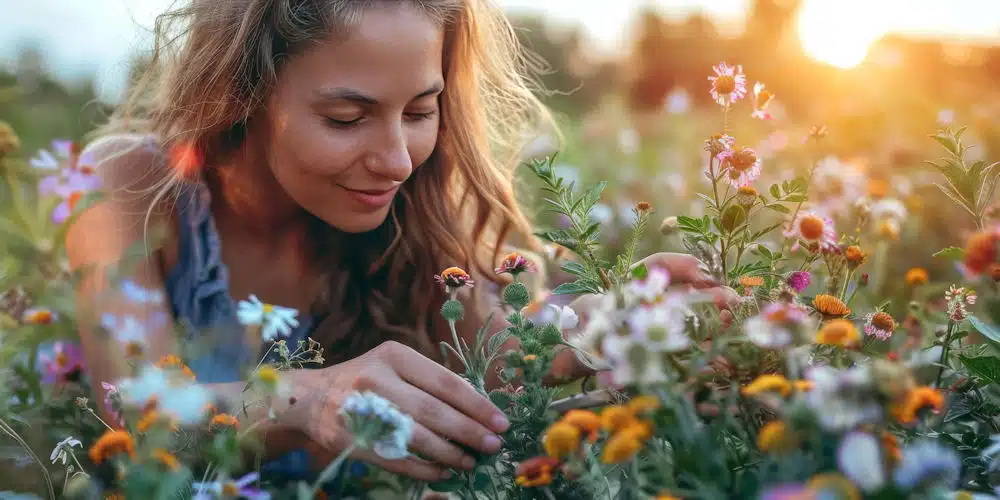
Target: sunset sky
x: 96, y: 36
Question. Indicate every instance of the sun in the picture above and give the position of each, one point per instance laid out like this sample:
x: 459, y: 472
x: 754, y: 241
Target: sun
x: 837, y: 33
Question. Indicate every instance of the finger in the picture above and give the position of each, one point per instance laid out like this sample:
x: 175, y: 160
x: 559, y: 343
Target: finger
x: 683, y: 268
x: 441, y: 419
x: 445, y: 385
x: 722, y: 296
x: 430, y: 446
x: 416, y: 468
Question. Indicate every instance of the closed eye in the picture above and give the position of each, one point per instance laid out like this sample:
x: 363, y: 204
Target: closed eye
x: 421, y: 116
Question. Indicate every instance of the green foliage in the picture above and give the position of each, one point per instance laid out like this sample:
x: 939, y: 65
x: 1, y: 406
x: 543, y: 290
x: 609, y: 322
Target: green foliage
x: 970, y: 186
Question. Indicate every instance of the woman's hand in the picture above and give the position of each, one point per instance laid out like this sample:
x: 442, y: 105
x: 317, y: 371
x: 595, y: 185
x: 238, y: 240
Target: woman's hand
x: 687, y: 273
x: 448, y: 412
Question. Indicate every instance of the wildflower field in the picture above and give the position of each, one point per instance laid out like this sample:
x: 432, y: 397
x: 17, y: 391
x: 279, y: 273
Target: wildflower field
x: 861, y: 360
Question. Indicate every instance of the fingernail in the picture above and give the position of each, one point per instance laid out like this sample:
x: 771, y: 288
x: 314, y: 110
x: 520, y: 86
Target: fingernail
x: 491, y: 443
x: 445, y: 474
x: 500, y: 422
x: 468, y: 462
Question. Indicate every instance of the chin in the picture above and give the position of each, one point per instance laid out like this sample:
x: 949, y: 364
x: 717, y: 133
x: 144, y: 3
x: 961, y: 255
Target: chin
x: 356, y: 223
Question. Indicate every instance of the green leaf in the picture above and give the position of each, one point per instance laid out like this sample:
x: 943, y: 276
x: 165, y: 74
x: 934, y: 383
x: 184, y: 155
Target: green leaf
x: 574, y: 268
x: 500, y: 398
x: 775, y: 192
x: 951, y: 253
x: 780, y: 208
x: 640, y: 272
x: 984, y: 367
x: 175, y: 485
x: 799, y: 185
x: 733, y: 217
x: 573, y: 287
x: 989, y: 331
x: 946, y: 141
x: 481, y: 481
x: 796, y: 198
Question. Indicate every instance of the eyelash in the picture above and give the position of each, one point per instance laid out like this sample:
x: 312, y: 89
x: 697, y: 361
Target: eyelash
x: 351, y: 123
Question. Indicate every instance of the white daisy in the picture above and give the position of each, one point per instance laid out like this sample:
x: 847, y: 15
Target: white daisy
x: 649, y: 289
x: 59, y: 453
x: 274, y: 320
x: 860, y: 459
x: 565, y: 317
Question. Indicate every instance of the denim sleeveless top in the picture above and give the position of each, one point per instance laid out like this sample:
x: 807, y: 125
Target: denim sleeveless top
x: 198, y: 288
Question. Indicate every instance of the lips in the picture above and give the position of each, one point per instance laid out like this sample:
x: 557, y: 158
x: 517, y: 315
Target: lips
x: 372, y: 198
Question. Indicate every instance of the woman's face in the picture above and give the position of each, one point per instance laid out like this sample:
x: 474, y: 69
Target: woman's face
x: 351, y: 119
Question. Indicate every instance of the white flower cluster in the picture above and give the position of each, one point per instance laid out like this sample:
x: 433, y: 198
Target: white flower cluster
x: 843, y: 399
x: 273, y: 320
x: 633, y: 341
x: 374, y: 419
x: 176, y: 394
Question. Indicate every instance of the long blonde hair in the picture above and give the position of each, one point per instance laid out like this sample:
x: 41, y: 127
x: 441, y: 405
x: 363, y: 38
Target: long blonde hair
x: 214, y: 64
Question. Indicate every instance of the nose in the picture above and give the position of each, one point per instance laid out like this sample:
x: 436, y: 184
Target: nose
x: 390, y: 157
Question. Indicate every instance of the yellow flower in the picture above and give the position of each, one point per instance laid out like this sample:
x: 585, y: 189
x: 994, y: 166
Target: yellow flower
x: 617, y: 417
x: 110, y: 444
x: 917, y: 276
x: 561, y: 439
x: 224, y: 420
x: 751, y: 281
x: 768, y: 383
x: 838, y: 332
x: 918, y: 399
x: 834, y: 483
x: 529, y: 358
x: 268, y: 375
x: 830, y: 307
x: 586, y: 421
x: 802, y: 385
x: 171, y: 361
x: 621, y: 447
x: 664, y: 496
x: 643, y: 404
x: 151, y: 417
x: 535, y: 471
x: 167, y: 459
x: 775, y: 437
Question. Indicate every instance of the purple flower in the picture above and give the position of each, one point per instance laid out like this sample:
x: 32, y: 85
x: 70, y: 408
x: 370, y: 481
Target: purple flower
x: 64, y: 363
x: 239, y: 489
x: 71, y: 189
x: 799, y: 281
x: 787, y: 492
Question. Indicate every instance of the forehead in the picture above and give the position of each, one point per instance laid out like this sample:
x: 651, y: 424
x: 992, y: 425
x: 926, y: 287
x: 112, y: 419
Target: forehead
x: 394, y: 49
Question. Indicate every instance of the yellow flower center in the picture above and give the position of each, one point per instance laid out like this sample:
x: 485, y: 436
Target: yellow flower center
x: 768, y: 383
x: 776, y: 438
x: 561, y: 439
x: 230, y: 489
x: 268, y: 308
x: 747, y: 191
x: 268, y: 375
x: 725, y: 84
x: 811, y: 227
x: 62, y: 360
x: 73, y: 199
x: 917, y: 276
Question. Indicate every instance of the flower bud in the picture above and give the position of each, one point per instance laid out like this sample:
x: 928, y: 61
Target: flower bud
x: 452, y: 310
x: 669, y: 226
x: 516, y: 294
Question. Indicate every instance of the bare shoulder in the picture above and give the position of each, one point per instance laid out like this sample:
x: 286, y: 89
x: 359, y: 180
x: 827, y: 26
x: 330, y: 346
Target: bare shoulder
x: 136, y: 200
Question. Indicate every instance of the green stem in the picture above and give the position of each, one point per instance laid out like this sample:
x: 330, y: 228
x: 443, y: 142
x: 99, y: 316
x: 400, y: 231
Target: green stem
x: 331, y: 469
x: 847, y: 281
x: 7, y: 429
x: 458, y: 345
x: 944, y: 353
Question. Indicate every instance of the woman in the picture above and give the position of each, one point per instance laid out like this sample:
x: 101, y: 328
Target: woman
x: 330, y: 156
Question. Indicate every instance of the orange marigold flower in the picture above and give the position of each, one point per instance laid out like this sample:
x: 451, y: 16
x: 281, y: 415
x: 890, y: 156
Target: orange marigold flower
x: 616, y: 418
x: 529, y: 358
x: 916, y: 400
x: 622, y: 446
x: 768, y: 383
x: 811, y: 227
x: 830, y: 307
x: 751, y: 281
x: 561, y: 439
x: 917, y: 276
x: 838, y: 332
x: 803, y: 385
x: 167, y: 459
x: 39, y: 316
x: 891, y: 446
x: 224, y: 420
x: 454, y: 278
x: 855, y: 255
x: 110, y: 444
x: 981, y: 251
x: 664, y: 496
x: 535, y: 471
x: 643, y: 404
x: 775, y: 437
x: 643, y: 206
x: 172, y: 361
x: 587, y: 421
x: 878, y: 188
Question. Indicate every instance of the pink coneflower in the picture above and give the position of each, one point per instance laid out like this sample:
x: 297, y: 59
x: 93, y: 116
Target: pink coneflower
x: 729, y: 84
x: 813, y: 229
x: 761, y: 98
x: 799, y: 281
x: 454, y: 278
x: 515, y: 263
x: 63, y: 364
x: 741, y: 166
x: 879, y: 325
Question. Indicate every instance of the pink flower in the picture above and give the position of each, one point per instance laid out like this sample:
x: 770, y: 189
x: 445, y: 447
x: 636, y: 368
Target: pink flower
x: 515, y: 263
x: 813, y: 229
x: 110, y: 395
x: 63, y: 364
x: 799, y: 281
x: 761, y: 98
x: 741, y: 166
x: 729, y: 84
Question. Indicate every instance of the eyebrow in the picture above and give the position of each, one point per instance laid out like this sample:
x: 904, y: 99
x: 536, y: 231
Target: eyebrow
x: 349, y: 94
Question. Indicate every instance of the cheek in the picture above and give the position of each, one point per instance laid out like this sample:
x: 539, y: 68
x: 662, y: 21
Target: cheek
x: 309, y: 149
x: 422, y: 143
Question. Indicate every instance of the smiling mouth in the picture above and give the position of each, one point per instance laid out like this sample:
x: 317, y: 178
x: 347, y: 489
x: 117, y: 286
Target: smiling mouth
x: 371, y: 192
